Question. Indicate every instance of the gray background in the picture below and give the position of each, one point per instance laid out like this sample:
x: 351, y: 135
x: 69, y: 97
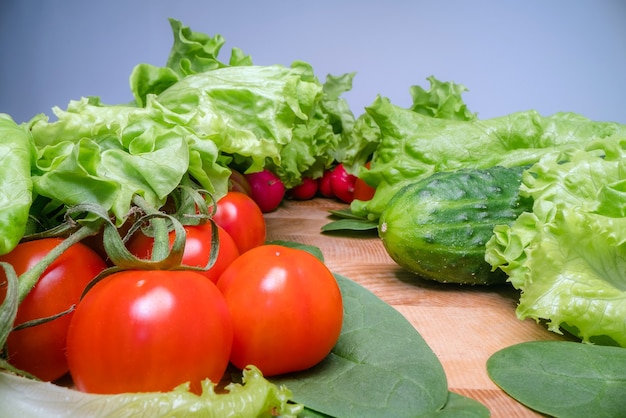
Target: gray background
x: 512, y: 55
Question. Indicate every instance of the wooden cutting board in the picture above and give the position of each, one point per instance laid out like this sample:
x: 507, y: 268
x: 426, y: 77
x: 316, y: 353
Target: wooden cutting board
x: 463, y: 325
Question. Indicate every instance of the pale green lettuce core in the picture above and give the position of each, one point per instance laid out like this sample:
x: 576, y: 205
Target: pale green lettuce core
x: 568, y: 257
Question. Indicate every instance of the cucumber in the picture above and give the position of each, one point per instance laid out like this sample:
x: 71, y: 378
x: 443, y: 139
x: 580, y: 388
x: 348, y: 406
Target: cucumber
x: 438, y: 227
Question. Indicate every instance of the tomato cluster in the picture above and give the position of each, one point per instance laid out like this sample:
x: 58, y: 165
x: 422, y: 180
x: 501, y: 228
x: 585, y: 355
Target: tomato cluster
x: 274, y: 307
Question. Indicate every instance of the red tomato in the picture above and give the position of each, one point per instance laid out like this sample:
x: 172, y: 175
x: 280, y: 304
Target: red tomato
x: 242, y: 218
x: 342, y: 184
x: 139, y: 331
x: 266, y: 189
x: 362, y: 190
x: 197, y: 248
x: 40, y: 350
x: 305, y: 190
x: 286, y: 309
x: 325, y: 188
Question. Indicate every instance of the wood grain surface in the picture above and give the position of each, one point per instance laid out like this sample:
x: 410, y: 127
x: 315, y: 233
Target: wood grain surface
x: 463, y: 325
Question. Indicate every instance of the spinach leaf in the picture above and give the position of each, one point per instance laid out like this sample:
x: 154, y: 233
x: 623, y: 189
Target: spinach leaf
x: 345, y: 214
x: 461, y: 407
x: 345, y: 220
x: 563, y: 378
x: 381, y: 366
x: 457, y: 406
x: 350, y: 225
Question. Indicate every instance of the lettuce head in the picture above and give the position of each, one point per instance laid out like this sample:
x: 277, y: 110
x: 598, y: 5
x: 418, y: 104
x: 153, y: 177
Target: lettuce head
x: 568, y: 256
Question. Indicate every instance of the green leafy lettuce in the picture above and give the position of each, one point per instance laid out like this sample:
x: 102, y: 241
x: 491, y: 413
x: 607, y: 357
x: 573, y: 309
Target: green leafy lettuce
x: 255, y: 397
x: 192, y: 120
x: 414, y: 145
x: 16, y: 156
x: 568, y: 256
x: 320, y: 133
x: 442, y: 101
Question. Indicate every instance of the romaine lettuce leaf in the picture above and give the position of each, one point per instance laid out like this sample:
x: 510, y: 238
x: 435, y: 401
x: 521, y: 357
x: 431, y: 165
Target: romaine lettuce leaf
x: 568, y: 256
x: 414, y: 146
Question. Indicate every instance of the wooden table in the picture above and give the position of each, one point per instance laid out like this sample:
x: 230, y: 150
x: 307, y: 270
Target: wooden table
x: 463, y: 325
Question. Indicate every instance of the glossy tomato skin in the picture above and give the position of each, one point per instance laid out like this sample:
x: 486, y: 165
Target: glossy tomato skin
x: 40, y: 350
x: 159, y: 329
x: 242, y: 218
x: 197, y: 248
x: 286, y: 308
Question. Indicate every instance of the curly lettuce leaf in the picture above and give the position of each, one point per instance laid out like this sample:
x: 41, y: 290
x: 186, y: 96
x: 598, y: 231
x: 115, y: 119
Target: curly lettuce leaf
x: 102, y: 154
x: 271, y: 117
x: 96, y: 153
x: 414, y: 146
x: 442, y: 101
x: 568, y: 256
x: 191, y: 53
x: 253, y: 113
x: 254, y: 397
x: 17, y: 154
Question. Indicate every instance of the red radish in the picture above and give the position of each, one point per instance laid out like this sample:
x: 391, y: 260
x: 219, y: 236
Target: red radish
x: 305, y: 190
x: 266, y: 189
x: 342, y: 184
x: 362, y: 190
x: 324, y: 185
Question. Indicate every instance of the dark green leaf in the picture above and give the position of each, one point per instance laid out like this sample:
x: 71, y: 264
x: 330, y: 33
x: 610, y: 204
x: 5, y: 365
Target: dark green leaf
x: 563, y: 378
x: 345, y: 214
x: 350, y: 225
x: 461, y: 407
x: 381, y: 366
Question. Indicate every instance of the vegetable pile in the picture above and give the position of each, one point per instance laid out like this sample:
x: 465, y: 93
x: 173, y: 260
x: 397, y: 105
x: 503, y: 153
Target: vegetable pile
x: 564, y: 249
x: 148, y: 218
x: 156, y: 208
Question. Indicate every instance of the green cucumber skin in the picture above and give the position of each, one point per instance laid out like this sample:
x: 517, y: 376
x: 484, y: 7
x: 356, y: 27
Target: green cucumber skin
x: 438, y: 227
